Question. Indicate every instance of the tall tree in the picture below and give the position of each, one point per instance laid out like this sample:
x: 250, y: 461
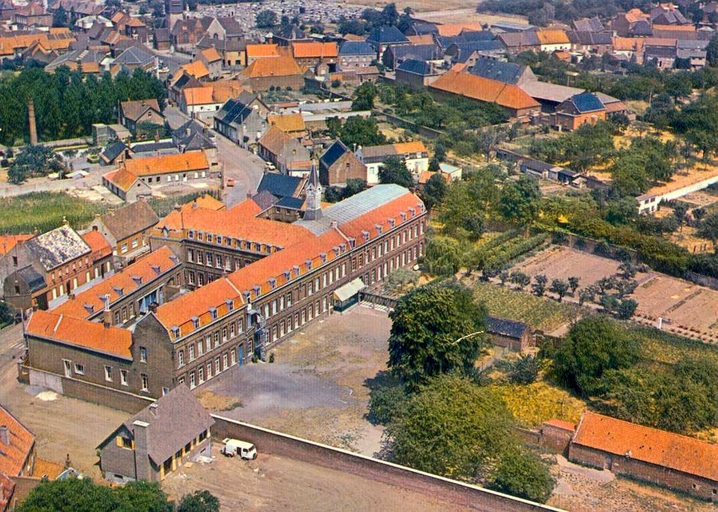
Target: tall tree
x: 361, y: 132
x: 520, y: 201
x: 434, y: 191
x: 436, y: 329
x: 394, y: 171
x: 266, y: 19
x: 364, y: 96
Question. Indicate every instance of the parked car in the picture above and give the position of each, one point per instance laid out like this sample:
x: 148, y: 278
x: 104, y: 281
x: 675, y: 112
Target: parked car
x: 234, y: 447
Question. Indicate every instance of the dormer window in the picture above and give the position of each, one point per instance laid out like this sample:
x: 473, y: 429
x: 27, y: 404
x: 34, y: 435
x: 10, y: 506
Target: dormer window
x: 308, y: 263
x: 247, y: 297
x: 287, y: 275
x: 272, y: 283
x: 230, y: 304
x: 378, y: 229
x: 195, y: 322
x: 336, y: 251
x: 175, y: 331
x: 190, y: 234
x: 256, y: 291
x: 119, y: 290
x: 209, y: 238
x: 365, y: 234
x: 213, y: 313
x: 89, y: 307
x: 352, y: 242
x: 219, y: 240
x: 174, y: 259
x: 403, y: 216
x: 342, y: 247
x: 200, y: 236
x: 137, y: 280
x: 392, y: 222
x: 323, y: 256
x: 421, y: 207
x: 412, y: 211
x: 296, y: 270
x: 155, y: 269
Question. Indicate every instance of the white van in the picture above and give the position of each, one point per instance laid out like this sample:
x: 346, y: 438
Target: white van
x: 234, y: 447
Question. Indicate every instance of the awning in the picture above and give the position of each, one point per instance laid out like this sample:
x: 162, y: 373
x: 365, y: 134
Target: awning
x: 349, y: 290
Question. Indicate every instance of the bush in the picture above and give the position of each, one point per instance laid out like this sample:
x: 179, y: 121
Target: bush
x: 522, y: 473
x: 525, y: 369
x: 385, y: 401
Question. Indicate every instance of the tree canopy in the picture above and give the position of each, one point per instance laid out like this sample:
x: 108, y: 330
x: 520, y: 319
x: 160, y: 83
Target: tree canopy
x: 394, y: 171
x: 520, y: 201
x: 436, y: 329
x: 361, y: 132
x: 266, y: 19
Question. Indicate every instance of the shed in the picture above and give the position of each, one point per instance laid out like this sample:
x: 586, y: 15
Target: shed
x: 348, y: 294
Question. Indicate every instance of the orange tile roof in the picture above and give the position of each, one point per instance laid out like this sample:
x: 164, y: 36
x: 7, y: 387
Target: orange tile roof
x: 410, y: 147
x: 659, y: 447
x: 207, y: 201
x: 660, y: 41
x: 198, y: 95
x: 166, y: 164
x: 422, y: 39
x: 8, y: 242
x: 454, y: 29
x: 80, y: 333
x: 630, y: 44
x: 196, y: 68
x: 261, y: 50
x: 237, y: 223
x: 22, y: 441
x: 305, y: 50
x: 272, y: 66
x: 226, y: 89
x: 122, y: 178
x: 179, y: 312
x: 274, y: 140
x: 45, y: 468
x: 89, y: 301
x: 635, y: 15
x: 483, y: 89
x: 425, y: 176
x: 552, y: 36
x: 99, y: 246
x: 566, y: 425
x: 288, y: 123
x: 211, y: 54
x: 674, y: 28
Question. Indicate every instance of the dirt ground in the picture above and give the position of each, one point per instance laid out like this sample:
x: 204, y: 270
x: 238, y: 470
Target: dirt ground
x: 317, y: 388
x: 561, y: 262
x: 277, y: 483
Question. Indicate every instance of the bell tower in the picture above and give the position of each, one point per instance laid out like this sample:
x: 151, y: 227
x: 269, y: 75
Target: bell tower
x: 314, y: 196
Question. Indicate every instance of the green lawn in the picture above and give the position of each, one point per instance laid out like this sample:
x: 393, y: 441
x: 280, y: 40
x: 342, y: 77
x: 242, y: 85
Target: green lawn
x: 540, y: 313
x: 44, y: 211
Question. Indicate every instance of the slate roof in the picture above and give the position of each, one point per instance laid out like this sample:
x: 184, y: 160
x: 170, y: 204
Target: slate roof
x: 588, y: 25
x: 179, y: 418
x: 387, y: 35
x: 113, y: 151
x: 590, y: 38
x: 294, y: 203
x: 504, y: 327
x: 34, y: 280
x: 587, y: 102
x: 415, y: 52
x: 129, y: 220
x: 356, y: 48
x: 280, y: 185
x: 234, y: 111
x: 416, y: 67
x: 506, y: 72
x: 57, y: 247
x: 135, y: 56
x: 264, y: 199
x: 526, y: 38
x: 333, y: 153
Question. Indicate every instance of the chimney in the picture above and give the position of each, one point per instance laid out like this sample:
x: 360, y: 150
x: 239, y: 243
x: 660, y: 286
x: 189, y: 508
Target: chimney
x: 107, y: 314
x: 142, y: 461
x: 153, y: 307
x: 4, y: 435
x: 31, y: 119
x: 154, y: 410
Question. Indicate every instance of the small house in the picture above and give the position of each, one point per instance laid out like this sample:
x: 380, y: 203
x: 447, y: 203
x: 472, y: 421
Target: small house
x: 509, y: 334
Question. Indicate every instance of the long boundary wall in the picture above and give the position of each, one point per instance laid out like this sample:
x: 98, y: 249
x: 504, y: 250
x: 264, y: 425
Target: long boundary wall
x: 268, y: 441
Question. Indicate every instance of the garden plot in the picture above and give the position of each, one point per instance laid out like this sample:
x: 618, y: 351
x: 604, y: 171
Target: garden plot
x: 562, y: 262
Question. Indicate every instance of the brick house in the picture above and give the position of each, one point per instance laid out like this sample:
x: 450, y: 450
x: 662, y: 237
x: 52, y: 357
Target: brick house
x: 356, y: 54
x: 32, y: 15
x: 310, y: 54
x: 287, y: 153
x: 125, y: 185
x: 17, y: 445
x: 270, y: 279
x: 681, y: 463
x: 158, y: 439
x: 141, y: 111
x: 126, y: 229
x: 213, y: 60
x: 242, y: 120
x: 52, y: 265
x: 584, y: 108
x: 339, y: 164
x: 274, y: 72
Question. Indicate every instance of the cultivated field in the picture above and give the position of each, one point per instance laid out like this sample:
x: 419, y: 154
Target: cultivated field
x: 561, y: 262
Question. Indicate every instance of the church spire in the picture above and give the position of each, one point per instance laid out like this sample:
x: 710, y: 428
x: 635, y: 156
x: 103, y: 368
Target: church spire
x: 313, y: 210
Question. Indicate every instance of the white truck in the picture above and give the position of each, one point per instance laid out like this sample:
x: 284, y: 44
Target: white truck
x: 234, y: 447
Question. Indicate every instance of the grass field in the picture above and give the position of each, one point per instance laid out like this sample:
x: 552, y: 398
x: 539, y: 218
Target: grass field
x: 45, y: 211
x: 542, y: 314
x: 533, y: 404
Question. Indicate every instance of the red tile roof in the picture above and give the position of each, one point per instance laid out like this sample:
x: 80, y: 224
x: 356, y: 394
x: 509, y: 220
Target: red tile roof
x: 7, y: 488
x: 8, y: 242
x: 483, y: 89
x: 80, y: 333
x: 566, y: 425
x: 14, y: 456
x: 261, y: 50
x: 121, y: 178
x: 168, y: 164
x: 304, y: 50
x: 665, y: 449
x: 90, y: 302
x: 98, y: 245
x: 381, y: 216
x: 267, y: 67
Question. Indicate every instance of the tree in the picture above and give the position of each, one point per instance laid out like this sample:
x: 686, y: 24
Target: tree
x: 364, y: 96
x: 712, y: 51
x: 266, y: 19
x: 539, y: 287
x: 7, y: 313
x: 593, y: 346
x: 394, y: 170
x: 573, y: 284
x: 199, y: 501
x: 436, y: 329
x: 522, y: 473
x: 708, y: 227
x: 443, y: 256
x: 525, y: 369
x: 520, y: 201
x: 59, y: 18
x: 434, y: 191
x: 451, y: 427
x: 586, y: 295
x: 400, y: 279
x: 626, y: 309
x: 520, y: 279
x: 559, y: 287
x: 361, y: 132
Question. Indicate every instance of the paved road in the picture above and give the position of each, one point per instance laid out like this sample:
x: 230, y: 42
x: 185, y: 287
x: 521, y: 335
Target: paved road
x: 243, y: 166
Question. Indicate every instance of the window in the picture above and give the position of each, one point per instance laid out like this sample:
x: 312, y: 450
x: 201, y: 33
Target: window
x: 224, y: 362
x: 180, y: 359
x: 123, y: 377
x: 145, y: 382
x: 108, y: 373
x: 191, y: 352
x: 224, y: 334
x: 240, y: 326
x: 135, y: 243
x: 190, y: 277
x: 209, y: 371
x: 200, y: 348
x: 208, y: 342
x: 166, y: 390
x: 124, y: 442
x: 190, y: 255
x: 143, y: 355
x: 216, y: 339
x: 79, y: 369
x: 192, y: 383
x: 200, y: 373
x: 231, y: 330
x: 123, y: 249
x: 234, y: 357
x: 219, y: 261
x: 217, y: 366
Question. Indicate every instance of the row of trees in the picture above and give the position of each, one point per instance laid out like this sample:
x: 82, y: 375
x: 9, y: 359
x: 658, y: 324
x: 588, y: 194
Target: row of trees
x: 67, y: 103
x: 372, y: 18
x: 439, y: 417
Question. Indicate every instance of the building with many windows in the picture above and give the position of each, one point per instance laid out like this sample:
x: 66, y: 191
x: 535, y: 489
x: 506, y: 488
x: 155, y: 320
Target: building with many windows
x: 250, y: 282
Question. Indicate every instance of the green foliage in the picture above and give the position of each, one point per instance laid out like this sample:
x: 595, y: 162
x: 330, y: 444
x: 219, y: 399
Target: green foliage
x: 45, y: 211
x: 712, y: 51
x: 362, y: 132
x: 400, y: 280
x: 434, y: 191
x: 559, y: 287
x: 443, y: 256
x: 34, y: 161
x: 451, y: 427
x: 593, y: 346
x: 521, y: 473
x: 266, y: 19
x: 520, y: 201
x: 436, y: 329
x: 86, y: 496
x: 582, y: 149
x: 364, y: 96
x: 386, y: 400
x: 708, y: 227
x: 466, y: 203
x: 394, y: 170
x: 525, y: 369
x: 66, y: 103
x: 7, y: 313
x: 698, y: 123
x: 352, y: 187
x: 199, y: 501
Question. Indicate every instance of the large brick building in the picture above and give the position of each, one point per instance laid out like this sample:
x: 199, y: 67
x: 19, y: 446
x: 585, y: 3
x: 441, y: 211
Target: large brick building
x: 261, y: 280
